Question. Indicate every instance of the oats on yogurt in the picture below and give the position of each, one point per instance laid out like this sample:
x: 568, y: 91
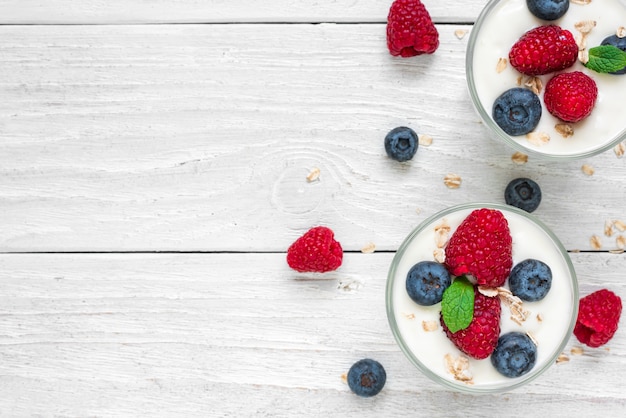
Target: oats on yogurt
x: 501, y: 65
x: 564, y: 129
x: 538, y: 138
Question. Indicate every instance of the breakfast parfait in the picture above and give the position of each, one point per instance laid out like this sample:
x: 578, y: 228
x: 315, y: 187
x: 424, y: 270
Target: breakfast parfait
x: 482, y: 297
x: 550, y: 73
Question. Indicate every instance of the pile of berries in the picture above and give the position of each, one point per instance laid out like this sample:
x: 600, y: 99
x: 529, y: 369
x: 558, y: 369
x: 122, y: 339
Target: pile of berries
x: 479, y: 257
x: 481, y: 249
x: 549, y: 50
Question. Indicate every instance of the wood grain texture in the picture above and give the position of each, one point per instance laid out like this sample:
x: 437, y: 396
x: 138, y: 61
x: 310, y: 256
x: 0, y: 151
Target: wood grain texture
x: 190, y: 126
x: 242, y: 335
x: 200, y: 138
x: 219, y: 11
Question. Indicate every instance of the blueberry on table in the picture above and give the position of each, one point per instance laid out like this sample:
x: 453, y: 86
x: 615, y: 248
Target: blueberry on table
x: 401, y: 143
x: 523, y: 193
x: 548, y: 9
x: 426, y: 282
x: 517, y: 111
x: 618, y: 43
x: 530, y: 280
x: 515, y: 355
x: 366, y: 377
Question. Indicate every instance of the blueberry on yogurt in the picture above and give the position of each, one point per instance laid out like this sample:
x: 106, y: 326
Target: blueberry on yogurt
x: 517, y: 111
x: 515, y: 355
x: 548, y: 9
x: 530, y: 280
x: 426, y: 282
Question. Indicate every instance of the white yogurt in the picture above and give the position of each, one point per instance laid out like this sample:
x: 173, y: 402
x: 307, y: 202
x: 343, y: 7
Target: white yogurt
x: 551, y: 329
x: 505, y: 24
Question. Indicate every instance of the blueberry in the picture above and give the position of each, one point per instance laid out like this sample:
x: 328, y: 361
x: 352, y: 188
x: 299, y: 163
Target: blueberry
x: 548, y: 9
x: 530, y: 280
x: 426, y: 281
x: 523, y: 193
x: 618, y: 43
x: 401, y: 143
x: 517, y: 111
x: 514, y: 355
x: 366, y: 377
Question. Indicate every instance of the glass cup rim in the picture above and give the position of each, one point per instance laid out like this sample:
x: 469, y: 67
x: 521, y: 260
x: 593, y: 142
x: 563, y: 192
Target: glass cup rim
x: 391, y: 317
x: 493, y: 126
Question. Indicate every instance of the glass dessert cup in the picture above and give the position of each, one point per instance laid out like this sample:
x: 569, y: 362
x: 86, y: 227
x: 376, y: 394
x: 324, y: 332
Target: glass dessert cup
x: 551, y: 320
x: 500, y: 24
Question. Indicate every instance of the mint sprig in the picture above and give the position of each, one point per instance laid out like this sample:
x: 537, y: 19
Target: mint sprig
x: 606, y: 59
x: 457, y: 305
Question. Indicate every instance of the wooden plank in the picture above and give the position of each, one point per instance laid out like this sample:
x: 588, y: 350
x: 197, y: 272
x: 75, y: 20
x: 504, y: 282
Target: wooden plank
x: 219, y: 11
x: 200, y: 137
x: 194, y: 335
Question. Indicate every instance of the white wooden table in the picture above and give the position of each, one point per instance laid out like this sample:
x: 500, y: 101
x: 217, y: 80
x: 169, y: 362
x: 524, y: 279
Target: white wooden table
x: 153, y: 163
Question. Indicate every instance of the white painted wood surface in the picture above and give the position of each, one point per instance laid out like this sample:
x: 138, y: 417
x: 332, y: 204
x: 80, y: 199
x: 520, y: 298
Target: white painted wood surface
x: 200, y: 137
x: 125, y: 143
x: 220, y: 11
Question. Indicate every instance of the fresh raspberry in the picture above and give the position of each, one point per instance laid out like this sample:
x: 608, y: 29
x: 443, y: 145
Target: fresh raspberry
x: 410, y: 31
x: 570, y: 96
x: 543, y: 50
x: 598, y: 315
x: 315, y: 251
x: 480, y: 338
x: 481, y: 246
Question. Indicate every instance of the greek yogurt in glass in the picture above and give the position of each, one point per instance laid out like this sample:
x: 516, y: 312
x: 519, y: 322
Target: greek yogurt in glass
x: 499, y: 26
x: 417, y: 328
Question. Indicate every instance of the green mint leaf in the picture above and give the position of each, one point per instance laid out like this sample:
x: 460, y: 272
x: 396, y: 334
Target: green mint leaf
x: 606, y: 59
x: 457, y: 305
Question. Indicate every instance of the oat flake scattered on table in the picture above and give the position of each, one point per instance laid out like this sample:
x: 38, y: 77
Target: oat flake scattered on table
x: 608, y: 228
x: 519, y: 158
x: 595, y: 242
x: 452, y: 181
x: 587, y: 169
x: 313, y: 175
x: 425, y: 140
x: 460, y: 33
x: 562, y: 358
x: 577, y: 351
x: 368, y: 248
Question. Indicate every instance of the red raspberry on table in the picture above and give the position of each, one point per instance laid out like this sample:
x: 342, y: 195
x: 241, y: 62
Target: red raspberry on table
x: 570, y: 96
x: 315, y: 251
x: 598, y: 316
x: 480, y: 338
x: 410, y: 30
x: 543, y: 50
x: 481, y: 246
